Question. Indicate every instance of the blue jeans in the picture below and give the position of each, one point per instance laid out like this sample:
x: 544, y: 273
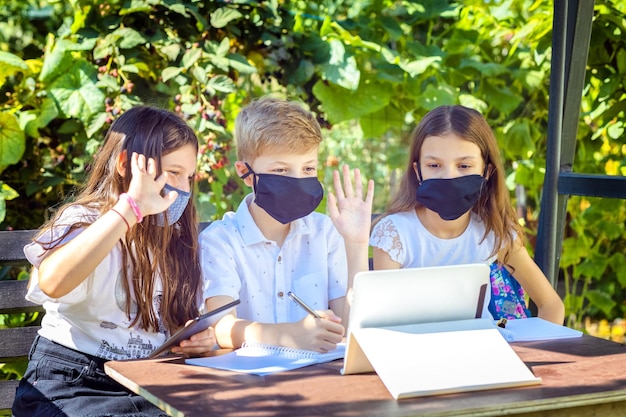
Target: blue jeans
x: 66, y: 383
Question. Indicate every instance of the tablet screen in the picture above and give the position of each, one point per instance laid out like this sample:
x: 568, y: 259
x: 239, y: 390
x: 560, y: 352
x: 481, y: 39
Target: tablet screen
x: 199, y: 323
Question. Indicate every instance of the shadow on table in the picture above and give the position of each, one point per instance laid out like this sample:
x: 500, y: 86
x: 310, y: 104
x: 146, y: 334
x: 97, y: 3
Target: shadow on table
x: 244, y: 395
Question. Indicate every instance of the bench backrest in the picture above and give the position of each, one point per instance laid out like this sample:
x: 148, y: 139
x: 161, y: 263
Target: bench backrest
x: 14, y: 342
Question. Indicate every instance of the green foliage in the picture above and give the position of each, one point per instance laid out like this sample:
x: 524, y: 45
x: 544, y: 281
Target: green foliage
x: 100, y: 59
x: 369, y: 70
x: 594, y: 259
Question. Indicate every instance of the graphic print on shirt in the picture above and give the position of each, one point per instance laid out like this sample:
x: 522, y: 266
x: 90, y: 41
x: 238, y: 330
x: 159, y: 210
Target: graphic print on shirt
x: 134, y: 349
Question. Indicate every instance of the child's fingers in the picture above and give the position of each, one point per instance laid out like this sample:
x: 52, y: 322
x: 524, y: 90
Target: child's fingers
x: 141, y: 162
x: 357, y: 184
x: 369, y: 198
x: 169, y: 198
x: 337, y: 185
x: 329, y: 315
x: 200, y: 342
x: 134, y: 164
x: 332, y: 206
x: 347, y: 181
x: 138, y: 164
x: 162, y: 179
x: 151, y: 168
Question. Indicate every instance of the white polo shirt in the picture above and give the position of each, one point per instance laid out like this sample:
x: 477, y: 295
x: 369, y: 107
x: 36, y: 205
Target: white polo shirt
x: 239, y: 262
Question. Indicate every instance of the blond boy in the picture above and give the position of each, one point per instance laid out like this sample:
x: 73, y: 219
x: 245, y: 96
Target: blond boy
x: 275, y: 243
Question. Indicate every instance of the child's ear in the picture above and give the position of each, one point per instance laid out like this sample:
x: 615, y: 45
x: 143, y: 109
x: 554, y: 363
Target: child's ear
x: 121, y: 163
x: 242, y: 170
x: 417, y: 172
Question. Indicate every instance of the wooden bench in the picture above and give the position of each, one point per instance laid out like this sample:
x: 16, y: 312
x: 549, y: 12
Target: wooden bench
x: 15, y: 342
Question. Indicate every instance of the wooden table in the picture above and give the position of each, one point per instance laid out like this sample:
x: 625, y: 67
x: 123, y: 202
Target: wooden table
x: 581, y: 377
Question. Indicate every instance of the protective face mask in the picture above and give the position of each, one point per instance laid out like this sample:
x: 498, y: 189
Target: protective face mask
x: 286, y: 198
x: 450, y: 197
x: 176, y: 209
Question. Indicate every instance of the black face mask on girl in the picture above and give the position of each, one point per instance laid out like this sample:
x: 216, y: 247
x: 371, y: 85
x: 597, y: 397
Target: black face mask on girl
x: 450, y: 197
x: 286, y: 198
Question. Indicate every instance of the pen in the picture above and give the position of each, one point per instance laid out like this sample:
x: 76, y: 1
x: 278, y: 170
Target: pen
x: 301, y: 303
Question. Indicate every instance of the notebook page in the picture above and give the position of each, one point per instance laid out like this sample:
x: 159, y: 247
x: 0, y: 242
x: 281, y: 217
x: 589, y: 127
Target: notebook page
x: 264, y: 360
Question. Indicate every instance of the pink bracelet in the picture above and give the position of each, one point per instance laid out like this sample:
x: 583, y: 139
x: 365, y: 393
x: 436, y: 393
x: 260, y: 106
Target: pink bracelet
x: 133, y: 206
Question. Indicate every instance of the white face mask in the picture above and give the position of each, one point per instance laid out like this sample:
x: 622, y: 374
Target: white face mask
x: 176, y: 209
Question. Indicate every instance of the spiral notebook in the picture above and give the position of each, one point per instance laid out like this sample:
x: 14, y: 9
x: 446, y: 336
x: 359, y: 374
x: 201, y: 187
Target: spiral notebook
x: 259, y: 359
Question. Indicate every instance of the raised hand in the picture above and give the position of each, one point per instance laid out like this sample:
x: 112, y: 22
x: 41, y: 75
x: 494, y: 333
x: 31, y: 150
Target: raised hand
x: 145, y: 189
x: 350, y: 212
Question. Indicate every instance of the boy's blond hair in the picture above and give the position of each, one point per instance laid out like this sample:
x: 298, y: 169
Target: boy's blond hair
x: 272, y: 124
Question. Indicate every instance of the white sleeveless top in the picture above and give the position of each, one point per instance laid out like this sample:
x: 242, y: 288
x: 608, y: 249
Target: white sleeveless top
x: 408, y: 242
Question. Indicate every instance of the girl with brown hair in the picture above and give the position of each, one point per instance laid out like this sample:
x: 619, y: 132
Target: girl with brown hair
x: 453, y: 207
x: 116, y: 270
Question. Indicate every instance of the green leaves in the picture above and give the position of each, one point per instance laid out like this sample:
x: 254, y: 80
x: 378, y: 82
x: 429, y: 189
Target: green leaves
x: 12, y: 140
x: 435, y: 96
x: 9, y: 65
x: 33, y: 120
x: 417, y: 67
x: 76, y: 93
x: 6, y: 193
x: 223, y: 16
x: 220, y: 83
x: 59, y: 57
x: 517, y: 141
x: 340, y: 105
x: 128, y: 38
x: 341, y: 69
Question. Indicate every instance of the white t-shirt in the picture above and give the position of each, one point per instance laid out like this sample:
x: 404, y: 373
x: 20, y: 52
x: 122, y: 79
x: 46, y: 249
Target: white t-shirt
x: 92, y: 318
x: 239, y: 262
x: 414, y: 246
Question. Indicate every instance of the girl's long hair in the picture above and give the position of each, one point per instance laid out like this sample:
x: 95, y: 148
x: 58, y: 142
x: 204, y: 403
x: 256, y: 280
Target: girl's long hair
x: 494, y: 206
x: 148, y: 250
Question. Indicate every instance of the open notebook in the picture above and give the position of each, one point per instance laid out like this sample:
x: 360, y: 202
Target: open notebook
x: 262, y: 359
x: 420, y: 330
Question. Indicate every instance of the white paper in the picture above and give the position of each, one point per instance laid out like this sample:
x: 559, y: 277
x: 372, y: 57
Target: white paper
x: 266, y: 360
x: 417, y: 364
x: 534, y: 328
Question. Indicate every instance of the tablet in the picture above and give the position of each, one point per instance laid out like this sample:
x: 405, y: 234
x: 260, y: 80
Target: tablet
x: 427, y: 296
x: 396, y: 297
x: 199, y: 324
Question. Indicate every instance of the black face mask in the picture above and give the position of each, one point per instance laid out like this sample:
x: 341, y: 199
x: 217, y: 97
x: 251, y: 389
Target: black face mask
x: 450, y: 197
x: 286, y: 198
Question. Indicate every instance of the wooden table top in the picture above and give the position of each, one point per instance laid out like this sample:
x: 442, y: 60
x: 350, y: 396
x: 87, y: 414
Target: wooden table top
x: 579, y: 375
